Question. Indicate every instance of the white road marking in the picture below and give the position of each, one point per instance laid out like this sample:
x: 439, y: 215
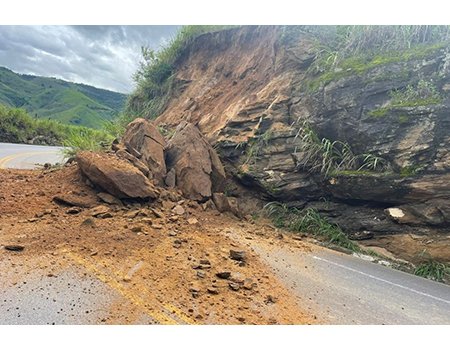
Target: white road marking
x: 383, y: 280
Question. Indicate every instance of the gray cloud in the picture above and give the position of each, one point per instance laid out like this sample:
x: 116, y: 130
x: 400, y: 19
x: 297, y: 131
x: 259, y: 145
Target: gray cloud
x: 102, y: 56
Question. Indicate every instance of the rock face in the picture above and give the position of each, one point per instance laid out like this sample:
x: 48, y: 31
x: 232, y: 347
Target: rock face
x: 198, y: 169
x: 143, y: 140
x: 115, y: 176
x: 257, y: 89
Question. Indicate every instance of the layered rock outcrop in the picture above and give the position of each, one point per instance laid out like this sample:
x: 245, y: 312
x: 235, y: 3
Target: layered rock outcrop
x: 250, y: 91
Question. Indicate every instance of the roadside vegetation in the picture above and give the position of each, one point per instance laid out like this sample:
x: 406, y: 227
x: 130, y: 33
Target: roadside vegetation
x: 434, y: 270
x: 17, y: 126
x: 308, y: 221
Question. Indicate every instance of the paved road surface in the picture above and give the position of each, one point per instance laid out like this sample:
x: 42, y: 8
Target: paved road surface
x: 20, y: 156
x: 343, y: 289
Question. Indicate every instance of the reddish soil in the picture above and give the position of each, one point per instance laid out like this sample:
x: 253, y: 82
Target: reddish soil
x: 152, y: 261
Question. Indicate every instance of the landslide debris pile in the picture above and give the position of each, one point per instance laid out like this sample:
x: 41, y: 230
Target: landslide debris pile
x: 143, y: 163
x: 148, y: 226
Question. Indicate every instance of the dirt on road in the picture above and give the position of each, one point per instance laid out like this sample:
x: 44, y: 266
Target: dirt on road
x: 167, y: 255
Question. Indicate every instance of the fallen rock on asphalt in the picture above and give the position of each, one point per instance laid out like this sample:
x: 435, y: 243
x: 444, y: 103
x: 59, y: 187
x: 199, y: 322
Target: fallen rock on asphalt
x: 116, y: 176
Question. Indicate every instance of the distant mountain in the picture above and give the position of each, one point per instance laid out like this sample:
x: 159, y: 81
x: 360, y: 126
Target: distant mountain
x: 53, y: 98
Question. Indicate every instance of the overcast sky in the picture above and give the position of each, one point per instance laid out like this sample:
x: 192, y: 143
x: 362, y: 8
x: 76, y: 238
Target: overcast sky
x: 102, y: 56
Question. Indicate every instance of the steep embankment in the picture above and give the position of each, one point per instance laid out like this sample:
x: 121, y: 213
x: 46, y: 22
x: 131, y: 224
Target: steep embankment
x: 368, y: 134
x: 70, y: 103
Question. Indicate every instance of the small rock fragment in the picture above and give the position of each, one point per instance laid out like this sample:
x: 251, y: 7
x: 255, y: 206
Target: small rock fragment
x: 248, y: 284
x: 98, y: 210
x: 88, y: 222
x: 270, y: 299
x: 136, y: 229
x: 234, y: 286
x: 201, y: 274
x: 14, y: 248
x: 108, y: 198
x: 74, y: 210
x: 212, y: 290
x: 192, y: 221
x: 178, y: 210
x: 238, y: 255
x: 224, y: 275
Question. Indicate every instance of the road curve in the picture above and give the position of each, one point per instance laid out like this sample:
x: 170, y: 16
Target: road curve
x: 343, y: 289
x: 19, y: 156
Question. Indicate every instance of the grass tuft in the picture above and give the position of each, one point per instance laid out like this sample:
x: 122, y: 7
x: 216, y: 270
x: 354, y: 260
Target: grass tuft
x: 433, y: 270
x: 308, y: 221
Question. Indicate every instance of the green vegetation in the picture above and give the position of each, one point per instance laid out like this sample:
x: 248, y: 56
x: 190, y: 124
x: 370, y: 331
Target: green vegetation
x: 424, y: 93
x: 330, y: 157
x: 255, y: 146
x: 433, y: 270
x: 343, y: 51
x: 410, y: 170
x: 69, y: 103
x: 308, y: 221
x: 17, y: 126
x: 154, y: 77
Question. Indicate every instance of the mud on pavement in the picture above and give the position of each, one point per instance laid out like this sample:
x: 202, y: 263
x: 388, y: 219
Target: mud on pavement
x: 164, y: 262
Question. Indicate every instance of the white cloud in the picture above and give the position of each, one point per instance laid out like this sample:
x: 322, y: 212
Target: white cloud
x: 102, y: 56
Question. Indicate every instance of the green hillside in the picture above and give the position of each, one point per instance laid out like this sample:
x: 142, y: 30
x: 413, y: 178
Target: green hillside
x: 51, y: 98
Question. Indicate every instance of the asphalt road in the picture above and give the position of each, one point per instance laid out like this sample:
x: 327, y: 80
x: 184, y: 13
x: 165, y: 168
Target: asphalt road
x: 18, y: 156
x: 343, y: 289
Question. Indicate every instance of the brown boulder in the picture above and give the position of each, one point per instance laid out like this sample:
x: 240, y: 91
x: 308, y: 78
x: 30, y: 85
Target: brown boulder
x: 143, y: 140
x: 224, y: 203
x: 115, y: 176
x: 198, y: 169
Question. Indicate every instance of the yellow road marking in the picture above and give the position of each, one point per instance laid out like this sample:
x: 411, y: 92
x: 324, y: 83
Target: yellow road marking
x: 7, y: 159
x: 172, y: 309
x: 179, y: 313
x: 158, y: 316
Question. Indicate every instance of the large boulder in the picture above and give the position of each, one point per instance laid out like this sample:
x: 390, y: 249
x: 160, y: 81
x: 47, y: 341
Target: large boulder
x: 115, y: 176
x: 199, y: 171
x: 143, y: 140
